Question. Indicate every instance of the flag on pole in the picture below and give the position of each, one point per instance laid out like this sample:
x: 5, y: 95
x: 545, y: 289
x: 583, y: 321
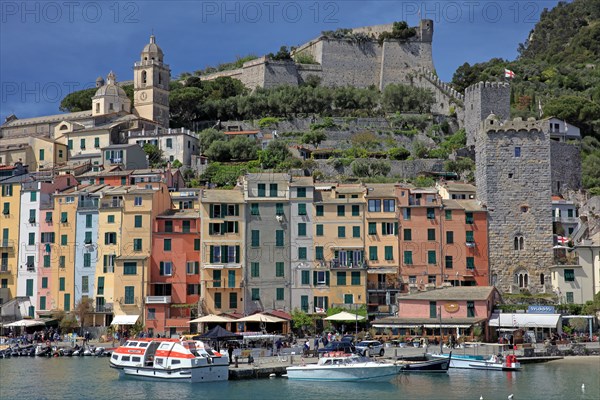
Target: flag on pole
x: 508, y: 73
x: 562, y: 240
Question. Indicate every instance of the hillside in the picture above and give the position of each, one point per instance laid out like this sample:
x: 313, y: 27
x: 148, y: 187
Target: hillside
x: 558, y: 67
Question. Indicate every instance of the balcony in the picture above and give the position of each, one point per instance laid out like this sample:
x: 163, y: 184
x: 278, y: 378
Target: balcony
x: 30, y: 268
x: 118, y: 160
x: 470, y: 244
x: 566, y: 220
x: 158, y: 299
x: 339, y: 264
x: 384, y: 286
x: 106, y: 308
x: 112, y: 204
x: 376, y: 309
x: 5, y: 268
x: 7, y: 244
x: 88, y: 204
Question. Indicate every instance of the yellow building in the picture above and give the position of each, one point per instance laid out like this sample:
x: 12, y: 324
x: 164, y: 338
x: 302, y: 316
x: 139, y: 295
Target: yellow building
x: 382, y: 253
x: 36, y: 152
x: 10, y: 203
x: 222, y: 213
x: 339, y: 276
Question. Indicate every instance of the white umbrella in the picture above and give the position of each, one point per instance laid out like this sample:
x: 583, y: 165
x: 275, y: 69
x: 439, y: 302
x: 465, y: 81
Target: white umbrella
x: 261, y: 318
x: 212, y: 318
x: 344, y: 316
x: 26, y: 323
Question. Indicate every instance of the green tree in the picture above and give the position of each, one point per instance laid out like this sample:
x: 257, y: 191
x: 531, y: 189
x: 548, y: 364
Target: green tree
x: 314, y: 137
x: 154, y: 154
x: 80, y: 100
x: 403, y: 98
x: 82, y: 309
x: 176, y: 164
x: 398, y: 153
x: 219, y: 151
x: 243, y: 148
x: 207, y: 137
x: 276, y: 153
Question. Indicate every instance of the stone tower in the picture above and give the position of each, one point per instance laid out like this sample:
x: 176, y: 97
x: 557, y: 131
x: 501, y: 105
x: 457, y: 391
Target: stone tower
x: 481, y: 100
x: 426, y: 30
x: 513, y: 181
x: 151, y: 78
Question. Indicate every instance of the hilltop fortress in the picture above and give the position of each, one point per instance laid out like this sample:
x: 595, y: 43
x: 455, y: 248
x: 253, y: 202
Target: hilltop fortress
x: 359, y: 60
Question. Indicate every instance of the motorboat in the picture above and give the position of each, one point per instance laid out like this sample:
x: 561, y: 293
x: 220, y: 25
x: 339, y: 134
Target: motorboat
x: 493, y: 362
x: 170, y: 359
x: 42, y: 350
x: 428, y: 366
x: 339, y: 366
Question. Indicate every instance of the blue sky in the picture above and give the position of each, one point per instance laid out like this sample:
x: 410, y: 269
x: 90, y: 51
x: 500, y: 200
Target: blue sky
x: 50, y: 48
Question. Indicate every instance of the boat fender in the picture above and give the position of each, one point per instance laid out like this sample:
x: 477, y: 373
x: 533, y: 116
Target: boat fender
x: 217, y: 354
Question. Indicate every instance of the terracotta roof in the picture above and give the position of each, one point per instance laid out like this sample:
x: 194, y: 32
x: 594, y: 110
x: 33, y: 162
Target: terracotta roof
x: 280, y: 314
x: 222, y: 196
x: 460, y: 187
x: 381, y: 190
x: 241, y: 132
x: 453, y: 293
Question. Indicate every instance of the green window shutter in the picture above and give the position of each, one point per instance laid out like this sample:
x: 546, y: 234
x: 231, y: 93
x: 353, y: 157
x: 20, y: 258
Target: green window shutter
x: 29, y: 288
x: 44, y: 282
x: 430, y: 234
x: 341, y: 211
x: 167, y: 244
x: 42, y: 302
x: 211, y: 229
x: 279, y: 269
x: 320, y: 211
x: 100, y: 285
x: 305, y: 277
x: 273, y: 190
x: 341, y: 231
x: 279, y: 238
x: 211, y: 211
x: 373, y: 253
x: 470, y: 263
x: 261, y: 190
x: 237, y: 254
x: 470, y: 237
x: 254, y: 210
x: 431, y: 259
x: 432, y: 309
x: 469, y: 217
x: 356, y: 231
x: 218, y: 303
x: 301, y: 229
x: 449, y: 262
x: 389, y: 253
x: 302, y: 253
x: 355, y: 210
x: 319, y: 230
x: 319, y: 252
x: 301, y: 209
x: 233, y: 300
x: 212, y: 254
x: 279, y: 209
x: 383, y: 230
x: 255, y: 238
x: 396, y: 229
x: 63, y: 217
x: 63, y: 240
x: 196, y: 244
x: 217, y: 278
x: 304, y: 303
x: 61, y: 284
x: 372, y: 228
x: 448, y: 214
x: 355, y: 278
x: 341, y: 278
x: 301, y: 192
x: 138, y: 221
x: 315, y: 279
x: 87, y: 260
x: 408, y: 257
x: 407, y: 234
x: 449, y: 237
x: 280, y: 294
x: 327, y: 278
x: 31, y: 239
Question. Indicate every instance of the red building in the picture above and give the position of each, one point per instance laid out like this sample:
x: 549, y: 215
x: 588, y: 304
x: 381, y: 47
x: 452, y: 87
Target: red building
x: 174, y: 272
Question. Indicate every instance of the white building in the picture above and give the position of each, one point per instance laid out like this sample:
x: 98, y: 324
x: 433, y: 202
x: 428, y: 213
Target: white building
x: 29, y: 237
x: 176, y: 144
x: 565, y: 213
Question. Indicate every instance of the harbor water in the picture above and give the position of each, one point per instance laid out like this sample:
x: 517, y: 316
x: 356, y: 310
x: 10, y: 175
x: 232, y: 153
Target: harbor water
x: 92, y: 378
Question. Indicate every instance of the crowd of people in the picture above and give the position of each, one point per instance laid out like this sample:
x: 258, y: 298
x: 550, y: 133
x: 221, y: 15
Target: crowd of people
x: 49, y: 335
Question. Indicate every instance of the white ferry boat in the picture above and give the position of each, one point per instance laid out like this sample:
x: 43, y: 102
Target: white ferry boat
x: 170, y: 359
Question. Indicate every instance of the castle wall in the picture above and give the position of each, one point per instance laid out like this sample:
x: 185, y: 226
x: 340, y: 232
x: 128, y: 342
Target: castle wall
x: 349, y: 63
x: 517, y: 192
x: 398, y: 59
x: 481, y: 100
x: 278, y: 73
x: 565, y: 164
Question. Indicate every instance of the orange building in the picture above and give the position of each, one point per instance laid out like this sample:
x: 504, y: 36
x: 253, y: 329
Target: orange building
x: 174, y: 272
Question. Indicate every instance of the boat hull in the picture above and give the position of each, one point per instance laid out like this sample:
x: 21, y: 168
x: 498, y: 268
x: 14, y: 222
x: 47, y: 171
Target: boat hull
x: 209, y: 373
x: 477, y: 362
x: 429, y: 366
x: 344, y: 373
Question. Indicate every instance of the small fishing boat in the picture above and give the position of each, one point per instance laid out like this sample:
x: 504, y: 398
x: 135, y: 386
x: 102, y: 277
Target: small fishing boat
x: 339, y: 366
x: 491, y: 362
x: 428, y: 366
x: 170, y: 359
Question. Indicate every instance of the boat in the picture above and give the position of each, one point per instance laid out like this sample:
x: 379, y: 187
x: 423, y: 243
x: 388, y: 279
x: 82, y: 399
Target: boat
x: 339, y: 366
x: 171, y: 360
x: 493, y: 362
x: 428, y: 366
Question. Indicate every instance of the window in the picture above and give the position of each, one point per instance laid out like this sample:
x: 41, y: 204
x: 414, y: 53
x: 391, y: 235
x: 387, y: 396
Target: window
x: 389, y: 205
x: 374, y: 205
x: 321, y: 277
x: 305, y: 277
x: 33, y: 198
x: 304, y: 303
x: 302, y: 253
x: 169, y: 143
x: 341, y: 211
x: 88, y: 220
x: 129, y: 294
x: 569, y: 275
x: 449, y: 262
x: 185, y: 226
x: 408, y: 260
x: 430, y: 234
x: 319, y: 211
x: 301, y: 229
x: 100, y: 287
x: 196, y: 244
x: 63, y: 217
x: 31, y: 239
x: 448, y: 215
x: 254, y: 270
x: 70, y: 141
x: 372, y: 228
x: 82, y: 144
x: 406, y: 214
x: 319, y: 253
x: 356, y: 231
x: 232, y: 300
x: 137, y: 201
x: 341, y: 278
x: 279, y: 269
x: 42, y: 302
x: 96, y: 143
x: 216, y: 278
x: 67, y: 301
x: 388, y: 228
x: 341, y: 231
x: 110, y: 219
x: 273, y: 190
x: 192, y: 267
x: 137, y: 244
x: 255, y: 238
x: 44, y: 283
x: 470, y: 309
x: 151, y: 314
x: 130, y: 268
x: 430, y: 213
x: 110, y: 238
x: 279, y: 238
x: 449, y: 237
x: 60, y: 153
x: 432, y: 309
x: 355, y: 210
x: 517, y: 151
x: 61, y: 261
x: 569, y: 297
x: 6, y: 209
x: 85, y: 285
x: 407, y: 234
x: 319, y: 230
x: 355, y: 276
x: 29, y: 287
x: 279, y: 294
x: 63, y: 240
x: 87, y: 260
x: 469, y: 217
x: 49, y: 217
x: 169, y: 226
x: 470, y: 238
x: 138, y: 221
x: 389, y: 253
x: 167, y: 245
x: 373, y: 253
x: 254, y: 209
x: 279, y: 209
x: 61, y: 284
x: 301, y: 209
x: 255, y: 294
x: 519, y: 243
x: 261, y: 190
x: 431, y: 257
x: 471, y: 263
x: 301, y: 192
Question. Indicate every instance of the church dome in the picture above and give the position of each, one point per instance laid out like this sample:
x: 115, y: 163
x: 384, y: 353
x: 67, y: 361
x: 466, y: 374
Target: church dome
x: 152, y: 51
x: 111, y: 88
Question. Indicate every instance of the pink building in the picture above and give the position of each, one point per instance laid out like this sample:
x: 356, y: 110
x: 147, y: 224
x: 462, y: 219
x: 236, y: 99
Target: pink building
x: 454, y: 310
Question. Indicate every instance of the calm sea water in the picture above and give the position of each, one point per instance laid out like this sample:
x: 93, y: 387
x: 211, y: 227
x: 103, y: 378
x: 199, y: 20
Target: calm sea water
x: 91, y: 378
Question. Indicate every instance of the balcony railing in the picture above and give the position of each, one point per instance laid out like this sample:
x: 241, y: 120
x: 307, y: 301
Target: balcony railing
x: 112, y: 204
x: 566, y: 220
x: 336, y: 263
x: 88, y: 204
x: 118, y: 160
x: 7, y: 244
x: 384, y: 286
x: 158, y: 299
x: 5, y: 268
x: 104, y: 309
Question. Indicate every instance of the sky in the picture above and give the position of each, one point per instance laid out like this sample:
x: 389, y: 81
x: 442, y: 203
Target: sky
x: 51, y: 48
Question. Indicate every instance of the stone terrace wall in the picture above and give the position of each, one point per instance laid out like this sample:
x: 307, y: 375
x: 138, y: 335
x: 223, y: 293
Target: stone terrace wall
x: 403, y: 169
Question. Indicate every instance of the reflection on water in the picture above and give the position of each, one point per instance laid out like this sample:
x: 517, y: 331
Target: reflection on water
x: 91, y: 378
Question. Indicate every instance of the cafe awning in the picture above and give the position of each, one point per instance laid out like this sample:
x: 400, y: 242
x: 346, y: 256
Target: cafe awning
x: 125, y: 320
x: 520, y: 320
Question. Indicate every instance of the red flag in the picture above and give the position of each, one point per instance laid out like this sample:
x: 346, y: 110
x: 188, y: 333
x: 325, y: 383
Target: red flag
x: 508, y: 73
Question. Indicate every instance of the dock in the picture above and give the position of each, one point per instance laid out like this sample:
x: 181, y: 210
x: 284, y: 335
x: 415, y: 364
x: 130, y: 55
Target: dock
x: 266, y: 367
